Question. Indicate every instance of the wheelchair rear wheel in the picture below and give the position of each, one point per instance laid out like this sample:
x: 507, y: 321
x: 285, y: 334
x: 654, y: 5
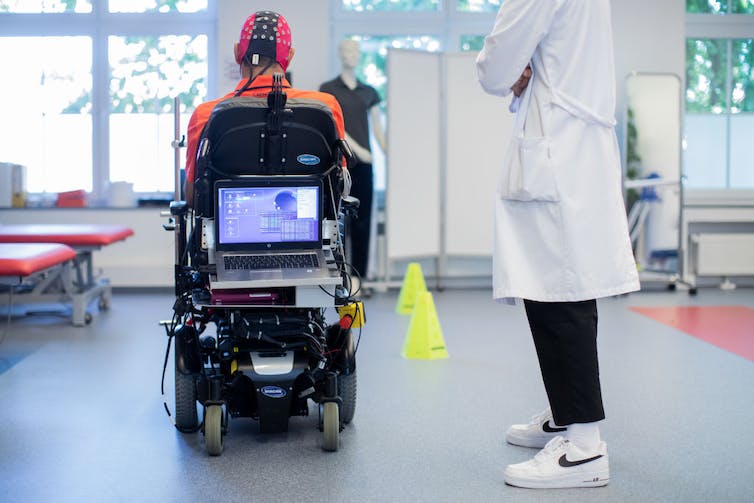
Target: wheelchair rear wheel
x: 347, y: 390
x: 330, y: 426
x: 186, y: 418
x: 213, y: 430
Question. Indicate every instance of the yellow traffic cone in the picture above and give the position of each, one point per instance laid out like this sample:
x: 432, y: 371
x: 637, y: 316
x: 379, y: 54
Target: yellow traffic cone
x: 413, y: 285
x: 424, y: 340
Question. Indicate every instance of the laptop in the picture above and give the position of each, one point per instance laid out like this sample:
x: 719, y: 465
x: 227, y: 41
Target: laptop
x: 268, y: 232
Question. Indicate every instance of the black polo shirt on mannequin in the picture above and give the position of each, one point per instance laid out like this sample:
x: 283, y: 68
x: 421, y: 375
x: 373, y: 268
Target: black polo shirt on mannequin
x: 355, y: 104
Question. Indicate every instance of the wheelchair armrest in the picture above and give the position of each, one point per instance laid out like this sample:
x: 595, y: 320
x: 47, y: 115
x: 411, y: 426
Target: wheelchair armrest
x: 178, y: 208
x: 350, y: 202
x: 350, y: 206
x: 345, y: 150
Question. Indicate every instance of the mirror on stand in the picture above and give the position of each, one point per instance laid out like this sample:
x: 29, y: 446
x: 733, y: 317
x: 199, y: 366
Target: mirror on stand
x: 653, y: 174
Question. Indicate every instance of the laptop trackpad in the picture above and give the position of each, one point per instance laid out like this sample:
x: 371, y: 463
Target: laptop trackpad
x: 246, y: 275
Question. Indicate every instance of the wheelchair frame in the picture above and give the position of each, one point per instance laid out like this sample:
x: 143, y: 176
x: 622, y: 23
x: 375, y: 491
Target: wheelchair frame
x: 263, y: 360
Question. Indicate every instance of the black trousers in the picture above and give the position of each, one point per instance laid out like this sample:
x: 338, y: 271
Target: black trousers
x: 358, y: 229
x: 565, y: 337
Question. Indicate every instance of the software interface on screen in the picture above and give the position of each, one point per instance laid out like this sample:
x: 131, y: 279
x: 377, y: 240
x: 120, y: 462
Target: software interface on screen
x: 252, y: 215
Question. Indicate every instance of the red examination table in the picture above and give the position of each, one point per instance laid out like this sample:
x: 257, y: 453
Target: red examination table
x: 71, y: 279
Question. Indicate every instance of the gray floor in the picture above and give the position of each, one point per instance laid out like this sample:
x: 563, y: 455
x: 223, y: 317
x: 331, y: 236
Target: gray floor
x: 82, y: 416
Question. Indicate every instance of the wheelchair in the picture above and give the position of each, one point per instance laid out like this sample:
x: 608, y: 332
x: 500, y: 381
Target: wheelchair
x: 265, y: 350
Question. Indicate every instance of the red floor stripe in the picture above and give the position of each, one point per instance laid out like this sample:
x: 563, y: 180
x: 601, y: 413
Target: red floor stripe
x: 728, y: 327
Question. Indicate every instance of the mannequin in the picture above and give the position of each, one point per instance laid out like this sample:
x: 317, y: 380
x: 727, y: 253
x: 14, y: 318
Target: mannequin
x: 362, y: 115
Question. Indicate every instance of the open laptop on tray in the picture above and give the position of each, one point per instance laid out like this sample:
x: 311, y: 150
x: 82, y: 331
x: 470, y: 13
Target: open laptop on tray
x: 268, y: 232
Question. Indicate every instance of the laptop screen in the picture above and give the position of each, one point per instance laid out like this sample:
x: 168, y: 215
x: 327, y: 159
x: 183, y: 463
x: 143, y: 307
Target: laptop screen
x: 268, y: 215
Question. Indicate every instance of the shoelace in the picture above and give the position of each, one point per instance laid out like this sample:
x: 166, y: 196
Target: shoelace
x: 554, y: 446
x: 540, y: 418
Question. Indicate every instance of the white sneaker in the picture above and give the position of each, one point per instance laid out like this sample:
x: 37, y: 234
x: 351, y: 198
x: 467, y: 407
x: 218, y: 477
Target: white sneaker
x: 540, y: 430
x: 559, y: 465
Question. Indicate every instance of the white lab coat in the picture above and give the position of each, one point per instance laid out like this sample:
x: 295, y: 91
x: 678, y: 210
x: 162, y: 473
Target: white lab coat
x: 560, y: 223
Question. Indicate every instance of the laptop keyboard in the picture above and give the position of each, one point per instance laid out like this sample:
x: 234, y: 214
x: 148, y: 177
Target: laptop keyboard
x: 259, y: 262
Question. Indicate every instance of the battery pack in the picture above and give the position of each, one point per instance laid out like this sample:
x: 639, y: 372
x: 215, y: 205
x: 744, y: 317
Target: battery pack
x: 354, y: 311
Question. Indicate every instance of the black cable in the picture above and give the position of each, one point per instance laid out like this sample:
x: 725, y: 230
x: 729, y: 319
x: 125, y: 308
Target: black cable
x: 170, y: 332
x: 252, y: 77
x: 361, y: 326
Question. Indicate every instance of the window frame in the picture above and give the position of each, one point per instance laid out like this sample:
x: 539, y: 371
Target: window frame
x: 726, y: 26
x: 99, y: 25
x: 447, y: 25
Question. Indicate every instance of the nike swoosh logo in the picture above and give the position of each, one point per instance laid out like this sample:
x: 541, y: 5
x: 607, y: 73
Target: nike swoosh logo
x: 549, y: 429
x: 565, y: 463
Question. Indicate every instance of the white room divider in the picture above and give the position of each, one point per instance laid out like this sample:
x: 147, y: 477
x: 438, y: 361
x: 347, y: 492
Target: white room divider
x: 446, y: 141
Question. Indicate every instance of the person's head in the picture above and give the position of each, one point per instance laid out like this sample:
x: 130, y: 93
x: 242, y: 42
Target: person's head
x: 265, y: 44
x: 350, y: 53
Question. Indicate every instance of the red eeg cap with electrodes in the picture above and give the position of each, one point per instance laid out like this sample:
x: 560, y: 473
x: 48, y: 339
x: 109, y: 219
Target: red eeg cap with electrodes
x: 265, y: 33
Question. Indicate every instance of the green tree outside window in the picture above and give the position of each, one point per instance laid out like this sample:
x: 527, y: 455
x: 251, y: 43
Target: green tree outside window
x: 471, y: 43
x: 390, y: 5
x: 148, y: 72
x: 479, y: 5
x: 372, y: 68
x: 706, y: 70
x: 742, y: 92
x: 45, y: 6
x: 720, y: 6
x: 157, y: 5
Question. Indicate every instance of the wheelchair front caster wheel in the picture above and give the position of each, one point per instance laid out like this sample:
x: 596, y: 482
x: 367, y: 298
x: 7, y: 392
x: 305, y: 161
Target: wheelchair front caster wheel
x: 330, y: 426
x: 88, y: 318
x: 213, y: 430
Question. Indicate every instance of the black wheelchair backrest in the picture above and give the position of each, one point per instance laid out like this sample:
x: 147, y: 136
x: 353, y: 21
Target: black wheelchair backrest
x: 238, y: 141
x: 244, y: 136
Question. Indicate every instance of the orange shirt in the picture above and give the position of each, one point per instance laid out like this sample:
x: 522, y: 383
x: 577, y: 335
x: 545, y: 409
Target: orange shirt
x: 201, y: 115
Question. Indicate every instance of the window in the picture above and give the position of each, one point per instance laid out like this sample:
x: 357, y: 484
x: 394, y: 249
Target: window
x: 479, y: 5
x: 429, y: 25
x: 146, y: 75
x: 373, y: 66
x: 39, y: 6
x: 94, y: 88
x: 157, y: 6
x: 47, y: 108
x: 720, y: 6
x: 390, y: 5
x: 473, y: 43
x: 719, y: 95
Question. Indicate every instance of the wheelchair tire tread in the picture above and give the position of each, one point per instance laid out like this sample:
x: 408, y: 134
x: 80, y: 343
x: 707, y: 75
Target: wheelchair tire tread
x: 186, y: 417
x: 347, y: 390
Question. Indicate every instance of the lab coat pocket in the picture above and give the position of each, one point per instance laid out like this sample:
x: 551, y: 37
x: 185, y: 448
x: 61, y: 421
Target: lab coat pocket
x: 531, y: 176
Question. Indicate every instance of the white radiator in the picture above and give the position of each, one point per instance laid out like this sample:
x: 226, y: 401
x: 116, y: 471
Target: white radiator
x: 714, y: 254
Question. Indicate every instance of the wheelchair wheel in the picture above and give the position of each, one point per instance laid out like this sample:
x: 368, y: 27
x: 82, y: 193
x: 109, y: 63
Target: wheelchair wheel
x: 330, y: 426
x: 186, y: 418
x: 213, y: 430
x: 347, y: 390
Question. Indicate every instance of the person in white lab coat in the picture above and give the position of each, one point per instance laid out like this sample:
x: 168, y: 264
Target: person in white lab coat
x: 561, y: 236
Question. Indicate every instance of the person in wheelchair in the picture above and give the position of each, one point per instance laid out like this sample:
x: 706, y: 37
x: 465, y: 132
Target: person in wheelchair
x: 264, y: 48
x: 266, y: 173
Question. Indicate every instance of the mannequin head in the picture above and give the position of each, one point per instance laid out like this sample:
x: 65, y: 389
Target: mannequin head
x: 350, y: 54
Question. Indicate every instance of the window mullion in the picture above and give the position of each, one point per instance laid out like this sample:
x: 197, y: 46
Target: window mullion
x: 728, y: 110
x: 100, y: 109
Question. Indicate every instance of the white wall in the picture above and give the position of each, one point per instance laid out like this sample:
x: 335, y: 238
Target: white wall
x: 649, y: 36
x: 143, y: 260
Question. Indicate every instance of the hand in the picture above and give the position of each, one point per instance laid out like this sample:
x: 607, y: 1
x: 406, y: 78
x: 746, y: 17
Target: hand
x: 522, y: 82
